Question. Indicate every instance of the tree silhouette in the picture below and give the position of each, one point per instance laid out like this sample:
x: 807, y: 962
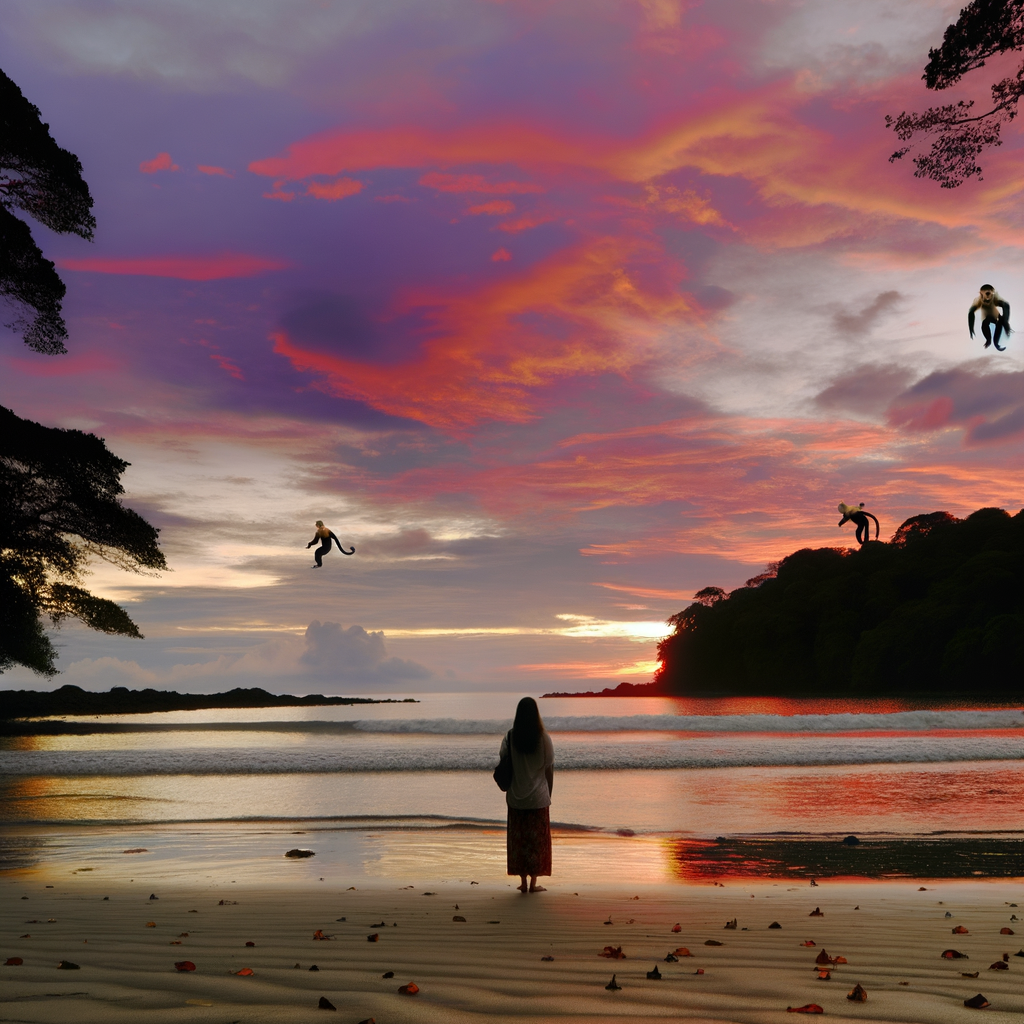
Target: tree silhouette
x: 39, y: 178
x: 58, y: 505
x: 985, y: 29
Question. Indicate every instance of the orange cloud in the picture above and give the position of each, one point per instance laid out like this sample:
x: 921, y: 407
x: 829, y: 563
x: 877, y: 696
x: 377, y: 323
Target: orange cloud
x: 500, y: 255
x: 161, y: 162
x: 186, y: 268
x: 331, y: 190
x: 524, y: 223
x: 582, y: 311
x: 476, y: 183
x: 213, y: 169
x: 495, y: 208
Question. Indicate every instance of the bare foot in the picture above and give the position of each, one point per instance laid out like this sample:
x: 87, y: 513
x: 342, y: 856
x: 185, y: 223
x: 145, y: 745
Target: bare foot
x: 522, y: 888
x: 537, y: 888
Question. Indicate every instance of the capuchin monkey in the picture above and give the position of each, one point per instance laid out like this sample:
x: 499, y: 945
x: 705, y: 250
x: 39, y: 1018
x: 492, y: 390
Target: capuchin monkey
x: 325, y: 537
x: 990, y: 303
x: 856, y: 514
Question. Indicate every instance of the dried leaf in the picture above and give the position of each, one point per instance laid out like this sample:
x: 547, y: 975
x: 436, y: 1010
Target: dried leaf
x: 67, y: 965
x: 250, y: 943
x: 807, y: 1008
x: 313, y: 967
x: 731, y: 924
x: 671, y: 958
x: 677, y: 927
x: 325, y: 1004
x: 613, y: 953
x: 175, y: 942
x: 184, y: 965
x: 151, y: 924
x: 613, y: 985
x: 682, y: 951
x: 373, y: 938
x: 839, y: 960
x: 816, y: 912
x: 245, y: 972
x: 978, y: 1002
x: 411, y: 989
x: 775, y: 924
x: 954, y: 954
x: 823, y: 958
x: 966, y: 974
x: 654, y: 975
x: 1006, y: 931
x: 999, y: 965
x: 808, y: 943
x: 388, y: 974
x: 960, y: 930
x: 459, y: 917
x: 13, y: 961
x: 547, y: 958
x: 857, y: 995
x: 713, y: 942
x: 700, y: 970
x: 319, y: 935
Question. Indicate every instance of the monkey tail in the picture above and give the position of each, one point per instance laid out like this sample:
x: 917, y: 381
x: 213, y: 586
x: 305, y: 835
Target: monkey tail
x: 877, y: 528
x: 353, y: 551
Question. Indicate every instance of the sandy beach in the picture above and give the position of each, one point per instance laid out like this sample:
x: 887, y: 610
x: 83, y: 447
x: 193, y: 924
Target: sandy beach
x: 491, y: 966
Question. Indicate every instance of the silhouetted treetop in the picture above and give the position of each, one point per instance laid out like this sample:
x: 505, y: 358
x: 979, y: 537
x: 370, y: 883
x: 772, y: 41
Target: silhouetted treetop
x: 985, y: 29
x: 939, y: 609
x: 44, y: 181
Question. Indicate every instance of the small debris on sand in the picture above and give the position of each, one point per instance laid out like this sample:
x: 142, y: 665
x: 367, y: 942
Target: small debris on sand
x: 301, y: 853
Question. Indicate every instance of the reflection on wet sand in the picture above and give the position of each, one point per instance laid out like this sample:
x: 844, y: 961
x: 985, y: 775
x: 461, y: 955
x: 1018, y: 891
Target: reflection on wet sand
x: 804, y: 859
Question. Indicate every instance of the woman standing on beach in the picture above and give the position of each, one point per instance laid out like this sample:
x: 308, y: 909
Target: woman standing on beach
x: 529, y: 796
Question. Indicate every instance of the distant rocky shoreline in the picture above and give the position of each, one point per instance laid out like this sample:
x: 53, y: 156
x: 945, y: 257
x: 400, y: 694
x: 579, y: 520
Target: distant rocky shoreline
x: 18, y: 705
x: 622, y: 690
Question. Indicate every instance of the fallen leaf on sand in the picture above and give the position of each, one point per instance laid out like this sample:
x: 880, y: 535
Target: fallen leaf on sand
x: 671, y: 958
x: 312, y: 968
x: 184, y: 965
x: 824, y: 974
x: 775, y: 924
x: 547, y: 958
x: 379, y: 924
x: 197, y: 1002
x: 857, y: 995
x: 325, y: 1004
x: 138, y: 849
x: 682, y: 951
x: 175, y: 942
x: 221, y: 903
x: 388, y: 974
x: 153, y: 896
x: 245, y: 972
x: 809, y: 942
x: 300, y: 853
x: 459, y: 917
x: 960, y: 930
x: 13, y: 961
x: 978, y: 1002
x: 999, y: 965
x: 839, y: 960
x: 922, y: 889
x: 966, y: 974
x: 654, y: 975
x: 731, y: 924
x: 319, y: 935
x: 816, y: 912
x: 903, y: 983
x: 713, y: 942
x: 700, y: 970
x: 613, y: 953
x: 370, y: 938
x: 677, y: 927
x: 823, y: 958
x: 954, y: 954
x: 183, y: 935
x: 807, y: 1008
x: 613, y: 985
x: 1006, y: 931
x: 250, y: 943
x: 409, y: 990
x: 151, y: 924
x: 25, y: 936
x: 430, y: 894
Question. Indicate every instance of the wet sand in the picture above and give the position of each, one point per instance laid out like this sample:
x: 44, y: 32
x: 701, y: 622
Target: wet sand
x: 490, y: 966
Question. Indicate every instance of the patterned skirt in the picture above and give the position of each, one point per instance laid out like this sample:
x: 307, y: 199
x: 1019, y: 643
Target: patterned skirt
x: 529, y: 842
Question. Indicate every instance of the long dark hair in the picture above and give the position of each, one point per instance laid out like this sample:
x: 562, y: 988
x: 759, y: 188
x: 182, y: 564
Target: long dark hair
x: 528, y: 727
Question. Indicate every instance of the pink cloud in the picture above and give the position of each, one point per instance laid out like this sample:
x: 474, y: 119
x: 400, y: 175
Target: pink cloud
x: 500, y: 255
x: 186, y: 268
x: 212, y: 169
x: 333, y: 190
x: 476, y: 183
x: 495, y: 208
x: 227, y: 365
x: 161, y: 162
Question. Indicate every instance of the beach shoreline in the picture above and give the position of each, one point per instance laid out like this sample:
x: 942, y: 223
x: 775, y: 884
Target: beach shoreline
x: 489, y: 966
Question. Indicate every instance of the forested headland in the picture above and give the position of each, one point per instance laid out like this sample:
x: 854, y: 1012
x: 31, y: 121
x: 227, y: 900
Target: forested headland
x: 938, y: 610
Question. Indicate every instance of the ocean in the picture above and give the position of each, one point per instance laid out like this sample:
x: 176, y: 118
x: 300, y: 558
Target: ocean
x: 736, y: 785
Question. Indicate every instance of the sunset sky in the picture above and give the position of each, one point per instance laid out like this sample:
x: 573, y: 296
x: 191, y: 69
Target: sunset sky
x: 558, y: 310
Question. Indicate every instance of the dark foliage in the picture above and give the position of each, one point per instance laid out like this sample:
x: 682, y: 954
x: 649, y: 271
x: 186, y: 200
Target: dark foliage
x: 39, y: 178
x: 958, y: 136
x: 59, y: 492
x: 119, y: 700
x: 938, y: 610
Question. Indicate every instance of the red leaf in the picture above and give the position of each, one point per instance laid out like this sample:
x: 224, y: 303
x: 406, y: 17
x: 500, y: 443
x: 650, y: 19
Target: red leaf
x: 613, y: 953
x: 677, y: 927
x: 184, y: 965
x: 409, y: 990
x: 808, y: 1008
x: 245, y: 972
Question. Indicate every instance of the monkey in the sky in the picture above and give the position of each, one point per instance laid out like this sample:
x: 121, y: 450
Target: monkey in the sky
x: 996, y: 312
x: 856, y: 514
x: 325, y: 537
